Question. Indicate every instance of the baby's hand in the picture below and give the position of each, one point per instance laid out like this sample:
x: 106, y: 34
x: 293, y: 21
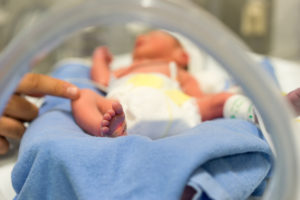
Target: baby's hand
x: 294, y: 99
x: 103, y: 53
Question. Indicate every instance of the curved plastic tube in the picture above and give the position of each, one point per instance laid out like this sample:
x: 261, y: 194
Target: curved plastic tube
x: 182, y: 17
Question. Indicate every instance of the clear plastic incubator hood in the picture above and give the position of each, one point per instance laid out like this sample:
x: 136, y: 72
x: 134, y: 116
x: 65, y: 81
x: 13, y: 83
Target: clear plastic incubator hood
x: 192, y: 22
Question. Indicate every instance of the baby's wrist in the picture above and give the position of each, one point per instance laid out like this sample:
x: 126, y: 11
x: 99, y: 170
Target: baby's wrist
x: 240, y: 107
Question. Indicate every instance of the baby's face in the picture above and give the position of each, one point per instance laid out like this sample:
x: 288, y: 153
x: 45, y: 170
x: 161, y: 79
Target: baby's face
x: 155, y: 45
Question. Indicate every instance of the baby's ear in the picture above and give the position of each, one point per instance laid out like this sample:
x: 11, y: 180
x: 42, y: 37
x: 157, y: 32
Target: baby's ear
x: 181, y: 57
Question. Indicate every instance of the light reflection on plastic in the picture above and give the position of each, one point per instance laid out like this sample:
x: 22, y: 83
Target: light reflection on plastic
x: 146, y: 3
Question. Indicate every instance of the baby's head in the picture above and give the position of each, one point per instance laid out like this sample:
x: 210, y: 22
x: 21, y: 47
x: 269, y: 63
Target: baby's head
x: 160, y: 45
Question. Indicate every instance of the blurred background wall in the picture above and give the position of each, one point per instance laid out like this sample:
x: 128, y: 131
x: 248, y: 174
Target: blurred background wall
x: 268, y: 27
x: 286, y: 29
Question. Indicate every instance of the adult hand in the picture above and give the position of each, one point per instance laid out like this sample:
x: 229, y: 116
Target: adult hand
x: 18, y: 110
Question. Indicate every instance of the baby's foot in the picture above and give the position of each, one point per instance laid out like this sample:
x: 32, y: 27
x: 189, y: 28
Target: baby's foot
x: 294, y: 99
x: 113, y: 123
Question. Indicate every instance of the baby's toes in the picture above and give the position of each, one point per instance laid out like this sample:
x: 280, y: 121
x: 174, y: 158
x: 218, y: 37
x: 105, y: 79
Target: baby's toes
x: 105, y: 123
x: 104, y: 131
x: 111, y: 112
x: 107, y: 116
x: 117, y: 107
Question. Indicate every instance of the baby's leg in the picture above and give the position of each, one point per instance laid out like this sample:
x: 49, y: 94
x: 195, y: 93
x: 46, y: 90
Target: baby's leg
x: 294, y: 98
x: 100, y: 71
x: 211, y: 106
x: 97, y: 115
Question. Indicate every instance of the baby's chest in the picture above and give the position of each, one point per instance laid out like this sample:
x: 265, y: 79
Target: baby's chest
x: 155, y: 68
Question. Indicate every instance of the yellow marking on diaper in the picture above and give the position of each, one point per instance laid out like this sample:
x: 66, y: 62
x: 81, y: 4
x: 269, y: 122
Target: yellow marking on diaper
x: 177, y: 96
x: 147, y: 80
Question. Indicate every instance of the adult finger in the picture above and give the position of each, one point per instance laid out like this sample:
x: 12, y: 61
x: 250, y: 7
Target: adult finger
x: 37, y: 84
x: 11, y: 128
x: 4, y: 145
x: 18, y: 107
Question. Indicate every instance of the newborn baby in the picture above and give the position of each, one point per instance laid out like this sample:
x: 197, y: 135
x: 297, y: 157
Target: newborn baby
x: 156, y: 93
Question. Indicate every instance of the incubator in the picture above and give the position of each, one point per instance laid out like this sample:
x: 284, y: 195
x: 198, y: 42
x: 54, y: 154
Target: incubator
x: 37, y: 40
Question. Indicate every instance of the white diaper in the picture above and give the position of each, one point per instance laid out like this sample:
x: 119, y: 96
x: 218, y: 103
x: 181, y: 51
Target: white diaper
x: 154, y: 105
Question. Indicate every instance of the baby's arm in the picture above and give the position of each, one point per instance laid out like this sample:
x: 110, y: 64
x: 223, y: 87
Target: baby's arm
x: 211, y: 106
x: 189, y: 84
x: 100, y: 71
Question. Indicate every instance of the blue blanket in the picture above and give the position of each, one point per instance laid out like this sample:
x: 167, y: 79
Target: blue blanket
x: 221, y: 159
